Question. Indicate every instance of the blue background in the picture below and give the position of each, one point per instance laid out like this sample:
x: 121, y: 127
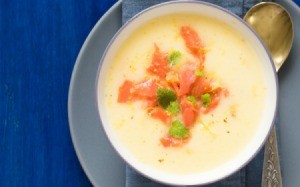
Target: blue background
x: 39, y: 43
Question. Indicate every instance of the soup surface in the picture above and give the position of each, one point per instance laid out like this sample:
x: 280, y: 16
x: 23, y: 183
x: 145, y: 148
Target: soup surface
x: 185, y: 93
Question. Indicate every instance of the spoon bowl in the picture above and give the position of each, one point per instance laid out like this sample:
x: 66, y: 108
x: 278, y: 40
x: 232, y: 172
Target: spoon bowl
x: 273, y: 24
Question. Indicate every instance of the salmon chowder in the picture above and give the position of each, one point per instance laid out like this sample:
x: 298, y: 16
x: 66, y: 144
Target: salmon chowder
x: 185, y: 93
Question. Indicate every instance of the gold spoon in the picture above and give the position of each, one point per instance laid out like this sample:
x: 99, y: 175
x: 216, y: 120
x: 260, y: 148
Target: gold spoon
x: 274, y: 25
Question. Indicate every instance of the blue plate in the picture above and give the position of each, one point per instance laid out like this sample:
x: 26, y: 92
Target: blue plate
x: 101, y: 163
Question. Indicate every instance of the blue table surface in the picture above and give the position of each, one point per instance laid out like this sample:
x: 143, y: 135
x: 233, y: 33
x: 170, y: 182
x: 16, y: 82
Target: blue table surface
x: 39, y: 43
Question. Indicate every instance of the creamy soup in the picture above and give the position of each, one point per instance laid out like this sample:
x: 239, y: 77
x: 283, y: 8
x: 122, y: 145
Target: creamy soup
x: 223, y: 116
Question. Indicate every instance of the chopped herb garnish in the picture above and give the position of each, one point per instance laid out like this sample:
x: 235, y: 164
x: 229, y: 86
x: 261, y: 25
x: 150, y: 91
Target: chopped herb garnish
x: 192, y: 99
x: 178, y: 130
x: 200, y: 73
x: 173, y: 107
x: 206, y: 99
x: 174, y: 57
x: 161, y: 160
x: 165, y: 96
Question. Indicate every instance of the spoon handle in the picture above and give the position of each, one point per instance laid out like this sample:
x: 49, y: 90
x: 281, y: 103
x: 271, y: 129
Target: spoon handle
x: 271, y: 175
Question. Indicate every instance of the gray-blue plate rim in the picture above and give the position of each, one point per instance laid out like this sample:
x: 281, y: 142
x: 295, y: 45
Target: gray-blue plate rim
x: 102, y: 165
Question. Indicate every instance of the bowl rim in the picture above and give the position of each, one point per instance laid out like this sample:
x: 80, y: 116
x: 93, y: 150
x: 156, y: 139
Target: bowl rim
x: 120, y: 30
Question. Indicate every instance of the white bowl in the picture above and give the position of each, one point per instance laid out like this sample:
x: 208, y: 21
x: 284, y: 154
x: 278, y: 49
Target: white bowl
x: 249, y: 35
